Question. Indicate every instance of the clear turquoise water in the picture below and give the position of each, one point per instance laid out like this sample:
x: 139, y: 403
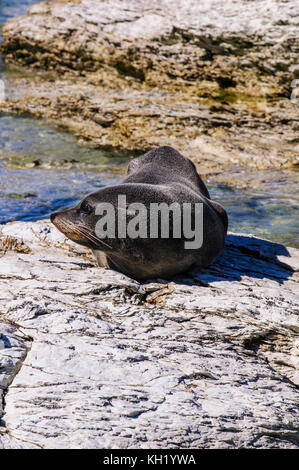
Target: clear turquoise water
x: 43, y: 169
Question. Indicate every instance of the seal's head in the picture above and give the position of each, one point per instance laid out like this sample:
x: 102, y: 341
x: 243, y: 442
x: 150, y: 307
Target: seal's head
x: 78, y: 224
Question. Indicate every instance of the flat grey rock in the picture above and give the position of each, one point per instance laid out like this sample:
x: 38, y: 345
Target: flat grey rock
x: 119, y: 20
x: 90, y: 358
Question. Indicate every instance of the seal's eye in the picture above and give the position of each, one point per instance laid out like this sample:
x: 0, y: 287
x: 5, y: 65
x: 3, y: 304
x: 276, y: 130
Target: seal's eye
x: 86, y: 208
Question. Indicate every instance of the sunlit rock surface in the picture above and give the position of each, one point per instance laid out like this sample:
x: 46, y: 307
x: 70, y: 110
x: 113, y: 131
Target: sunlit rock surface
x: 214, y: 79
x: 90, y: 358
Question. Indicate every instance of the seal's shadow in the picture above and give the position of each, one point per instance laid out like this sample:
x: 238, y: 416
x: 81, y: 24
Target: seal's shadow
x: 244, y: 256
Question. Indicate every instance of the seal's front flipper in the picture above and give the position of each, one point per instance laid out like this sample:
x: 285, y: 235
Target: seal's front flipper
x: 101, y: 258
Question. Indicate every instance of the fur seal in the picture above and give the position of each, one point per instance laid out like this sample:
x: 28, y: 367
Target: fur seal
x: 162, y: 175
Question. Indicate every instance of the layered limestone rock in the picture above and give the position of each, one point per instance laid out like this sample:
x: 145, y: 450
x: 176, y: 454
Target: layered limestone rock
x: 214, y: 79
x: 91, y: 358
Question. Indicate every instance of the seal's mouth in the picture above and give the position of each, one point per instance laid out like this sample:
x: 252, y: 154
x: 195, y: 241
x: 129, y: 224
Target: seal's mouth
x: 66, y: 227
x: 78, y: 233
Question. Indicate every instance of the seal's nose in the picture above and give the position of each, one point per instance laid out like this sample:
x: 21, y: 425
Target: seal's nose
x: 52, y: 217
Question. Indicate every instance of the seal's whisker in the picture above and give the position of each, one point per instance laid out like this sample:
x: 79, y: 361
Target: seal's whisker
x: 84, y: 230
x: 93, y: 238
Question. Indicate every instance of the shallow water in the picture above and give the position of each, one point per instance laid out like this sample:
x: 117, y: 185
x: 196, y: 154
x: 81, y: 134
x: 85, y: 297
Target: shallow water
x: 43, y: 169
x: 10, y: 8
x: 271, y: 211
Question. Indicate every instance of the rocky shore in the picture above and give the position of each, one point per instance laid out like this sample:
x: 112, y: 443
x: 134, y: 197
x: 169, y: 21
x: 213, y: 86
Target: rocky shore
x: 213, y: 79
x: 91, y: 358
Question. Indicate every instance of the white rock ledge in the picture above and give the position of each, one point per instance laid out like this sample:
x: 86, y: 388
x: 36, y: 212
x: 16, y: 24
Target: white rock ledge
x: 92, y: 359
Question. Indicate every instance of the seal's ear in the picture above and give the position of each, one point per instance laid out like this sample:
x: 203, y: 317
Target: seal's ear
x: 132, y: 166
